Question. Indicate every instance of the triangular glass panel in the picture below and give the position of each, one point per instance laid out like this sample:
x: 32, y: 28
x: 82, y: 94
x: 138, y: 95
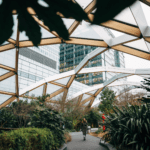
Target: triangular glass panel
x: 86, y: 103
x: 46, y: 34
x: 126, y: 16
x: 7, y: 58
x: 58, y: 97
x: 138, y: 44
x: 116, y: 33
x: 51, y: 88
x: 84, y: 3
x: 8, y: 85
x: 63, y: 81
x: 68, y: 22
x: 15, y: 20
x: 85, y: 96
x: 85, y: 30
x: 3, y: 98
x: 36, y: 92
x: 146, y: 11
x: 3, y: 71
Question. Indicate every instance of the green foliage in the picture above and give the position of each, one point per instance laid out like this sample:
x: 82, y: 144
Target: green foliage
x: 50, y: 15
x: 129, y: 127
x: 108, y: 98
x: 113, y: 7
x: 146, y: 86
x: 27, y: 139
x: 18, y: 114
x: 100, y: 130
x: 93, y: 117
x: 49, y: 119
x: 7, y: 119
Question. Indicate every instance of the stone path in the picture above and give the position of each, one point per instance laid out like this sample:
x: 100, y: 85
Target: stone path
x: 77, y: 143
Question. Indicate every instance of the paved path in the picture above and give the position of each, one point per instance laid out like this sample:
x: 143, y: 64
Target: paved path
x: 77, y: 143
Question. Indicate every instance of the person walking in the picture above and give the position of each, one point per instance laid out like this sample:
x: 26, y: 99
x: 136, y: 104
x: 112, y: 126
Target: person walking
x: 84, y: 128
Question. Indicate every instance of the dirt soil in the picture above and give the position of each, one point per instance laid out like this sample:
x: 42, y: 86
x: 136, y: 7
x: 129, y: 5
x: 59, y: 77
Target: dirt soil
x: 97, y: 135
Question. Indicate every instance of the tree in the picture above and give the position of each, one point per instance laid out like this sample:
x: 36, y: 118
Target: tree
x: 108, y: 98
x: 93, y: 117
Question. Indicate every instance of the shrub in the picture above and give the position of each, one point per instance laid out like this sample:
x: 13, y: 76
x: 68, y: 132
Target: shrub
x: 67, y: 136
x: 129, y: 126
x: 27, y: 139
x: 49, y: 119
x: 7, y: 119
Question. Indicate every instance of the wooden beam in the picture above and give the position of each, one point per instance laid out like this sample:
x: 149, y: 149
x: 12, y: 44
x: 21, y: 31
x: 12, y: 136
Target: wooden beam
x: 132, y: 51
x: 7, y: 75
x: 64, y: 98
x: 11, y: 41
x: 16, y: 63
x: 70, y: 81
x: 56, y: 93
x: 7, y: 102
x: 119, y: 26
x: 6, y: 47
x: 88, y: 42
x: 98, y: 91
x: 86, y: 100
x: 49, y: 41
x: 58, y: 84
x: 91, y: 102
x: 45, y: 89
x: 79, y: 100
x: 7, y: 68
x: 147, y: 39
x: 7, y: 93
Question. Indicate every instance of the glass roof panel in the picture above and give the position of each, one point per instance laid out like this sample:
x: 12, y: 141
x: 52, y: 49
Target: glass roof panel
x: 68, y: 22
x: 3, y: 98
x: 85, y: 96
x: 36, y: 92
x: 86, y: 103
x: 146, y: 10
x: 8, y: 84
x: 126, y: 16
x: 58, y: 97
x: 63, y: 81
x: 2, y: 71
x: 85, y: 30
x: 116, y: 33
x: 138, y: 44
x: 51, y: 88
x: 83, y: 3
x: 7, y: 58
x: 14, y: 35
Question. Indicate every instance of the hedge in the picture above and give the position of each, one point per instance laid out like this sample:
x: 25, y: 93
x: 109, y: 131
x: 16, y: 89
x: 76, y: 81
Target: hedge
x: 27, y: 139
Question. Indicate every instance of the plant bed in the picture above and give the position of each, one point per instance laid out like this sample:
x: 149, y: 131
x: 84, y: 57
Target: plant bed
x: 100, y: 135
x: 28, y: 138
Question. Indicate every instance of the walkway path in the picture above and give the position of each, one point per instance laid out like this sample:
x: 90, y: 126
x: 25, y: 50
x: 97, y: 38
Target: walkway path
x: 77, y: 143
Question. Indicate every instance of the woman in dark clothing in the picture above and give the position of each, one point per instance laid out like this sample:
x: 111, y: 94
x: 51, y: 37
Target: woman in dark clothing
x: 84, y: 128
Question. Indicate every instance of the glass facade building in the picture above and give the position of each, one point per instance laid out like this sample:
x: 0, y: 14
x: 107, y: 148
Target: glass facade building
x: 71, y: 55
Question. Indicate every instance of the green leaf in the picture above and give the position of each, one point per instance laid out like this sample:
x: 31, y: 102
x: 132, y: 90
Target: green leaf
x: 108, y: 9
x: 52, y: 20
x: 68, y: 8
x: 29, y: 25
x: 6, y: 22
